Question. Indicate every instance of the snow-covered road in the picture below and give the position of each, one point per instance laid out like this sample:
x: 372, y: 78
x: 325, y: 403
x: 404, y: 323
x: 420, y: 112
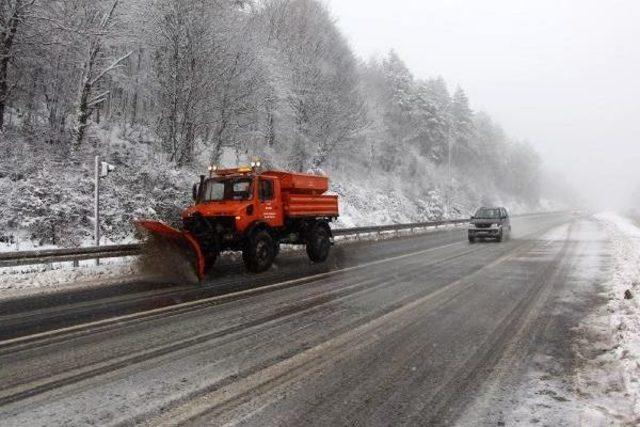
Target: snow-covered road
x: 424, y: 330
x: 580, y: 363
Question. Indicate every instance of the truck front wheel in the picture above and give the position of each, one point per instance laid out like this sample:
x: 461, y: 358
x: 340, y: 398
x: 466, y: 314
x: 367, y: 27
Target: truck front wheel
x: 210, y: 260
x: 318, y: 243
x: 259, y: 252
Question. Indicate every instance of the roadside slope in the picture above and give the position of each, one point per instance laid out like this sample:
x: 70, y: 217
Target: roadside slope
x: 610, y: 378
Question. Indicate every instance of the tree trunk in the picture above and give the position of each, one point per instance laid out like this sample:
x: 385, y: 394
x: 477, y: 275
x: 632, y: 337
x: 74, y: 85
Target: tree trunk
x: 134, y: 102
x: 83, y: 106
x: 8, y: 37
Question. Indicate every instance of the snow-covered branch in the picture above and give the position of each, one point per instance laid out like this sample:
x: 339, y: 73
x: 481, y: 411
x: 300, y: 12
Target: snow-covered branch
x: 110, y: 68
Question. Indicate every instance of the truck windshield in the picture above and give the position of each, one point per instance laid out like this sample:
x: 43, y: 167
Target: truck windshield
x: 488, y: 214
x: 228, y: 189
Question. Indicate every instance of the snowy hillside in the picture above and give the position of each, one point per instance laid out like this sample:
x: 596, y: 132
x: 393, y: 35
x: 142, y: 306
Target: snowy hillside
x: 161, y: 98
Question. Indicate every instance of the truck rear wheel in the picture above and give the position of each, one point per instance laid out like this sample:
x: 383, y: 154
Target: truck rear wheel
x: 318, y: 243
x: 259, y: 252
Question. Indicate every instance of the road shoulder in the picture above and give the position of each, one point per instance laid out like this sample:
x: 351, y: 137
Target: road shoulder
x: 546, y: 376
x: 609, y: 378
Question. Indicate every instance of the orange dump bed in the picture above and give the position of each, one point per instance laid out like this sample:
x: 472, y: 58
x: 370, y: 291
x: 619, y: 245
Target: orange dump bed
x: 299, y: 205
x: 301, y: 183
x: 303, y: 195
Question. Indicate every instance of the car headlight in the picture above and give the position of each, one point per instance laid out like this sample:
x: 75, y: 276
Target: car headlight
x: 494, y: 226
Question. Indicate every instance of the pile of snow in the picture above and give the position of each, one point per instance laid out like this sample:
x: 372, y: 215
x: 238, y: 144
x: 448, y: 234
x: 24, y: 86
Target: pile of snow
x: 45, y: 279
x: 612, y: 375
x: 360, y: 205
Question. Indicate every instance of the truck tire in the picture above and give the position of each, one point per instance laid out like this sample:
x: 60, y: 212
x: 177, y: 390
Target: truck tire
x: 319, y: 243
x: 210, y: 261
x: 259, y: 252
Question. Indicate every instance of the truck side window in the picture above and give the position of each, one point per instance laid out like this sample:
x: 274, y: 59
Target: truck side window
x: 266, y: 190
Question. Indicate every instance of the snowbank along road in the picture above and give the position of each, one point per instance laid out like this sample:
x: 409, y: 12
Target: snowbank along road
x: 418, y: 330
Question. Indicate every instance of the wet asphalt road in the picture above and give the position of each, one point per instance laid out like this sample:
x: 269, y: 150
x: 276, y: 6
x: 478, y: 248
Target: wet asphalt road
x: 409, y: 331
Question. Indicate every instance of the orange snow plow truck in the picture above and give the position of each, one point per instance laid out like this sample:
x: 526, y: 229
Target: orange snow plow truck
x: 247, y: 210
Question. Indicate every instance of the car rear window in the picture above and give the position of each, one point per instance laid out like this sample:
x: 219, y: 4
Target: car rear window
x: 488, y: 213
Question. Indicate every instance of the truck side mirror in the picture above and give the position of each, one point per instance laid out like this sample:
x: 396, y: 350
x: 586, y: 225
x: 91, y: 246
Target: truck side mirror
x: 195, y: 192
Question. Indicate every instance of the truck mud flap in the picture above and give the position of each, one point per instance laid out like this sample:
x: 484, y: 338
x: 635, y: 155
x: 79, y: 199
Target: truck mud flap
x: 183, y: 239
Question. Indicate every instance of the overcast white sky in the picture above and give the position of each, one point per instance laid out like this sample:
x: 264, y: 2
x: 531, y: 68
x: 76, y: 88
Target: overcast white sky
x: 561, y: 74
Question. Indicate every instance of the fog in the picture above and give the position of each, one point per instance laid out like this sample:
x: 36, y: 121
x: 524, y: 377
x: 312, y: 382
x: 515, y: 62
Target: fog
x: 561, y: 75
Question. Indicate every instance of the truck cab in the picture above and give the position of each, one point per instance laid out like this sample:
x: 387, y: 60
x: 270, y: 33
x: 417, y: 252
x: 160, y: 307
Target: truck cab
x: 241, y: 199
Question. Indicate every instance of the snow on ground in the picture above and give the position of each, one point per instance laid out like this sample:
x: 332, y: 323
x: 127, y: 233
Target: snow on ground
x: 46, y: 279
x: 610, y: 379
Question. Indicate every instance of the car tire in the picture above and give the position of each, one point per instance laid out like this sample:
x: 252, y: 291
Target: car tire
x: 259, y: 252
x: 499, y: 237
x: 472, y: 239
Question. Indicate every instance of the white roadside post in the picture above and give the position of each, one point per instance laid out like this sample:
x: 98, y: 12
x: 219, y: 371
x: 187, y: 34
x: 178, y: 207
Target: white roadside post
x: 102, y: 170
x: 96, y: 204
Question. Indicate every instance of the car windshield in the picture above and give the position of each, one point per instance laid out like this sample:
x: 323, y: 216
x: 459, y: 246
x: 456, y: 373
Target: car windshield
x: 229, y: 189
x: 488, y: 213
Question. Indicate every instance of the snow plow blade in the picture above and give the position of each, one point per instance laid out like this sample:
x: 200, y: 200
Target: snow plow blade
x: 165, y: 232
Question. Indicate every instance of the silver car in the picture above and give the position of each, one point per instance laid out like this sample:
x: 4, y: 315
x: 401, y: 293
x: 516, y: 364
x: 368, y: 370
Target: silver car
x: 490, y: 223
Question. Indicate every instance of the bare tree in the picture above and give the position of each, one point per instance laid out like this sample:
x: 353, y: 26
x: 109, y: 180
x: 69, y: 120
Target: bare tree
x: 328, y: 107
x: 12, y: 13
x: 99, y: 26
x: 206, y: 75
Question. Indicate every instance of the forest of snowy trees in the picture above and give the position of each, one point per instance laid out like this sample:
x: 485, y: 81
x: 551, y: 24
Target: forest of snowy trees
x: 162, y: 88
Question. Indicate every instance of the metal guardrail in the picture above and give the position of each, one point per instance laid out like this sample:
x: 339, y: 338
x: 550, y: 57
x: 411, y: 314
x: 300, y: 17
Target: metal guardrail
x: 395, y: 227
x: 45, y: 256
